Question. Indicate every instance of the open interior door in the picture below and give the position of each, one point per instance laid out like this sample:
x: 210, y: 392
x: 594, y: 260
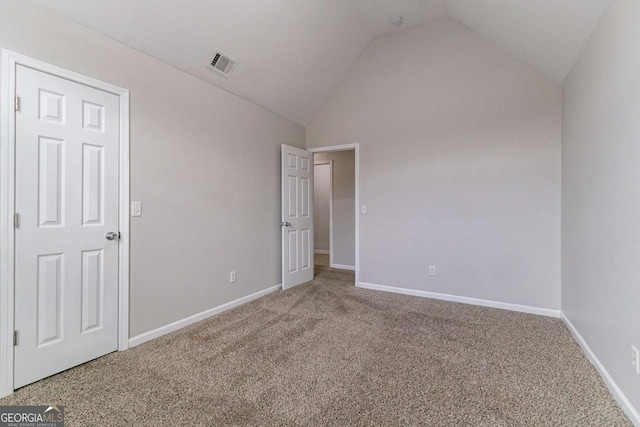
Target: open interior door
x: 297, y: 216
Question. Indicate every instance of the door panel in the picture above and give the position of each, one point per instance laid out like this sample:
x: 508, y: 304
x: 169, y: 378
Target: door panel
x: 297, y: 216
x: 293, y: 250
x: 66, y: 272
x: 51, y: 182
x: 304, y: 197
x: 92, y: 290
x: 305, y: 259
x: 92, y: 184
x: 49, y: 305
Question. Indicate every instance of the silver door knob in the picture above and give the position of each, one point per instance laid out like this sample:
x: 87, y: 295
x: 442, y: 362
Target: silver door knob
x: 285, y: 224
x: 112, y: 236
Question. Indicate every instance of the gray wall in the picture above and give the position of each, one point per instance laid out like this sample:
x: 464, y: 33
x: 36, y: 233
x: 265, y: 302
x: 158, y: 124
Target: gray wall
x: 321, y: 206
x: 204, y: 163
x: 460, y: 165
x: 600, y: 189
x: 344, y: 199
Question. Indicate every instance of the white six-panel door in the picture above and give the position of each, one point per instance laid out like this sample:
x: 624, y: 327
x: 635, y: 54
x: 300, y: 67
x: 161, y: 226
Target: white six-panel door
x: 297, y: 216
x: 66, y: 271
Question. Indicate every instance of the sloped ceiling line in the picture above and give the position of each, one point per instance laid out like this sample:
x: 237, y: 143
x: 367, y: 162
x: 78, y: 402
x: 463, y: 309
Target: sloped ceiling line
x: 293, y: 53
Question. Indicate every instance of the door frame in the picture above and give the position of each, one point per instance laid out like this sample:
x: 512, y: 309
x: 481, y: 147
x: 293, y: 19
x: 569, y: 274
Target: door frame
x: 347, y: 147
x: 10, y: 61
x: 330, y: 163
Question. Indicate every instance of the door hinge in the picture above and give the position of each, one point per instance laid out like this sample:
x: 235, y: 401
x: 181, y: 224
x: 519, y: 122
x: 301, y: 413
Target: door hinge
x: 16, y: 220
x: 15, y: 337
x: 17, y: 103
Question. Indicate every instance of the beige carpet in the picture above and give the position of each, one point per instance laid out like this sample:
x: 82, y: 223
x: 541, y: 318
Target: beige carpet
x: 321, y: 259
x: 327, y: 353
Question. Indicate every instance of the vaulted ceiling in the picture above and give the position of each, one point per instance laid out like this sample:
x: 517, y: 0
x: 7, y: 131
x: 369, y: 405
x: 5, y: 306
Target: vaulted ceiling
x: 292, y: 53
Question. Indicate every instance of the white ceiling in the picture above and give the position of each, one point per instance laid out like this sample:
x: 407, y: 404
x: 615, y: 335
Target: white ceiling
x: 548, y: 34
x: 292, y: 53
x: 376, y: 13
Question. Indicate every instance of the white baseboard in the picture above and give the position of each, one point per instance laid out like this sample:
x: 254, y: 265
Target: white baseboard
x: 613, y: 387
x: 171, y: 327
x: 321, y: 251
x: 465, y: 300
x: 342, y: 267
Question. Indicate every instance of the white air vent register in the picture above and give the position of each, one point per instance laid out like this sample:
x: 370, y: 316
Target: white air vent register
x: 222, y: 63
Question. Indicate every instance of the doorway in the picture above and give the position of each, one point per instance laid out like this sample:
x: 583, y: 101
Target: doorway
x: 322, y: 211
x: 297, y: 222
x: 334, y: 207
x: 336, y: 201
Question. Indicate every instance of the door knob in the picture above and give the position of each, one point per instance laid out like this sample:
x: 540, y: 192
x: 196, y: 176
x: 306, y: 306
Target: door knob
x: 112, y: 236
x: 285, y: 224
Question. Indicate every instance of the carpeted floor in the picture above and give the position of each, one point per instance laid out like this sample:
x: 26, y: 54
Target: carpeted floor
x: 321, y: 259
x: 327, y: 353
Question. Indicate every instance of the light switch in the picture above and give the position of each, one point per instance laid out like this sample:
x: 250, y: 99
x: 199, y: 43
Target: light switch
x: 136, y: 208
x: 363, y: 209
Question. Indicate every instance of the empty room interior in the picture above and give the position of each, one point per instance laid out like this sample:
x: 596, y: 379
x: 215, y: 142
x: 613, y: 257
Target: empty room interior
x: 320, y: 212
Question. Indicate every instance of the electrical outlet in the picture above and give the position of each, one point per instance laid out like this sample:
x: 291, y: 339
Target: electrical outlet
x: 635, y: 359
x: 232, y: 277
x: 432, y: 270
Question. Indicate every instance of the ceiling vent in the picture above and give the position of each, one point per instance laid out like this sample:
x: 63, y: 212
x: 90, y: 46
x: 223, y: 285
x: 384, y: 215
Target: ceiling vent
x: 222, y: 63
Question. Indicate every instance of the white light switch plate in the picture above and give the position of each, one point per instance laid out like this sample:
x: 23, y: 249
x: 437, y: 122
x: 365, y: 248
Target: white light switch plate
x: 136, y: 208
x: 363, y: 209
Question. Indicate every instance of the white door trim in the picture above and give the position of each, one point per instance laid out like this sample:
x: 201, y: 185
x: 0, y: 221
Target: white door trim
x: 330, y: 163
x: 345, y: 147
x: 10, y: 60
